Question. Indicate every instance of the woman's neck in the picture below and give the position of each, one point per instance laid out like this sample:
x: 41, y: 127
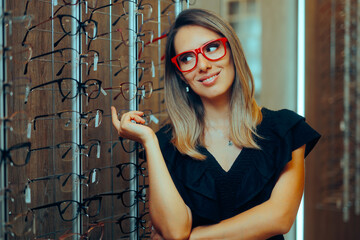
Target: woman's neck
x: 217, y: 113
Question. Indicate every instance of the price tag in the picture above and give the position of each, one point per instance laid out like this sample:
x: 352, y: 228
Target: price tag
x: 98, y: 151
x: 97, y: 119
x: 28, y: 131
x: 96, y: 60
x: 103, y: 91
x: 27, y: 92
x: 152, y: 69
x: 27, y: 194
x: 154, y: 119
x: 93, y: 177
x: 10, y: 31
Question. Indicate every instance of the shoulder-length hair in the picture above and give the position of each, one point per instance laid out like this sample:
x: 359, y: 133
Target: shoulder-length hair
x: 186, y: 110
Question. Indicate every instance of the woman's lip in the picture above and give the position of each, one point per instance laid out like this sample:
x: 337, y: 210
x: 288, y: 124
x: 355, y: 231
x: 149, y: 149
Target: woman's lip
x: 207, y: 77
x: 210, y: 82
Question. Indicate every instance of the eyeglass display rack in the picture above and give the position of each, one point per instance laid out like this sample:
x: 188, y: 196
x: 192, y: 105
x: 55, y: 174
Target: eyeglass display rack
x: 64, y: 172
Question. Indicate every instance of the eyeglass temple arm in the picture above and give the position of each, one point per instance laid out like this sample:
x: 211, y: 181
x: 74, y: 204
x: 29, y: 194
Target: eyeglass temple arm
x: 68, y: 177
x: 31, y: 28
x: 38, y: 86
x: 58, y: 41
x: 41, y: 116
x: 44, y: 206
x: 42, y: 148
x: 117, y: 20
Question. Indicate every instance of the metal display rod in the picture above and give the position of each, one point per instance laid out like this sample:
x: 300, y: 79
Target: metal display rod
x: 3, y: 212
x: 357, y: 154
x: 133, y: 185
x: 346, y: 118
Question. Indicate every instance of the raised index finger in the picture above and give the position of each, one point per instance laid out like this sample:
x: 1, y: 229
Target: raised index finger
x: 114, y: 118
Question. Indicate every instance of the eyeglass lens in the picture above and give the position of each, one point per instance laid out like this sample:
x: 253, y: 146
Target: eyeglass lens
x: 69, y: 210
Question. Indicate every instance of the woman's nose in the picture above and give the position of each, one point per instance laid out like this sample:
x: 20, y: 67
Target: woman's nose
x: 203, y: 64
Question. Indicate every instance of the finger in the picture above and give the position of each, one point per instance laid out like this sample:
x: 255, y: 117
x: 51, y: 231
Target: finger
x: 140, y: 113
x: 114, y: 118
x: 133, y: 115
x: 137, y: 119
x: 131, y: 112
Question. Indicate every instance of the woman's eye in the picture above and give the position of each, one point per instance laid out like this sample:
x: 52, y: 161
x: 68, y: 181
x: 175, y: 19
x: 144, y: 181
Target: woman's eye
x: 186, y: 58
x: 212, y: 47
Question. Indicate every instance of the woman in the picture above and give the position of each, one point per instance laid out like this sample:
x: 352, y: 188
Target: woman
x: 224, y: 168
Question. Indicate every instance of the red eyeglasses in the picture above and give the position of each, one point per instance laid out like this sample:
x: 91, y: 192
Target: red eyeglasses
x: 212, y: 50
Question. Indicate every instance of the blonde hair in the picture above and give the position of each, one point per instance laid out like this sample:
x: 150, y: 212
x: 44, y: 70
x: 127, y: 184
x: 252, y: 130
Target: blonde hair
x: 185, y: 109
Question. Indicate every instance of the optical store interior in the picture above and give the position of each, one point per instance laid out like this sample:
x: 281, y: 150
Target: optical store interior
x: 64, y: 171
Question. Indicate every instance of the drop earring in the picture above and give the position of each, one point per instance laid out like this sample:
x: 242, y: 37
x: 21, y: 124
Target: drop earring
x: 187, y: 89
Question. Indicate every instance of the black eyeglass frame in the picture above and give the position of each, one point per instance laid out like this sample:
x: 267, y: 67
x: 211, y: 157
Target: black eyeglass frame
x: 6, y: 154
x: 81, y: 25
x: 81, y: 88
x: 83, y: 115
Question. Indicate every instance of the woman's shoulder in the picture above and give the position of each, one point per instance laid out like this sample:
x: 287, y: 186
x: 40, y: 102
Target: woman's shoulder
x: 280, y: 116
x: 279, y: 121
x: 286, y: 126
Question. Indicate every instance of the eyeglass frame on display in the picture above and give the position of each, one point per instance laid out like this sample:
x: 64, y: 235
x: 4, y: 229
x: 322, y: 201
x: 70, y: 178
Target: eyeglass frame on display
x: 5, y: 154
x: 82, y: 207
x: 120, y: 195
x: 12, y: 117
x: 102, y: 62
x: 11, y: 83
x: 65, y: 4
x: 9, y: 19
x: 139, y: 221
x: 50, y: 177
x: 11, y: 223
x: 135, y: 93
x: 9, y: 48
x: 81, y: 88
x: 79, y: 146
x: 60, y: 16
x: 80, y: 57
x: 82, y: 116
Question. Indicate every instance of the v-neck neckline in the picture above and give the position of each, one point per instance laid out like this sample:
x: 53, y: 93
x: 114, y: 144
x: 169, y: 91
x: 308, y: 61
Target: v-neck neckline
x: 217, y: 164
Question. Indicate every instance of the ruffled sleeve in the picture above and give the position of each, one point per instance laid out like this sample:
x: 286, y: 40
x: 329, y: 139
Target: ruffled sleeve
x: 283, y: 132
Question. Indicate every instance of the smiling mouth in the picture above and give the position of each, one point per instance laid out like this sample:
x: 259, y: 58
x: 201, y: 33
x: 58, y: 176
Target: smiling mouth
x: 210, y: 78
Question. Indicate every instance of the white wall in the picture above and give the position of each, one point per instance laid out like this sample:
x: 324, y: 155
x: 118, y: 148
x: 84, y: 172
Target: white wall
x: 279, y: 47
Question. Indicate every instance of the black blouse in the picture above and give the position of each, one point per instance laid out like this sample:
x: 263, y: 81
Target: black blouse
x: 213, y: 194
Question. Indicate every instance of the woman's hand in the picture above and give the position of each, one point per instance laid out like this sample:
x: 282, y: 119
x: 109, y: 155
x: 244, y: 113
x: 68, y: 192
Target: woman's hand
x: 131, y: 126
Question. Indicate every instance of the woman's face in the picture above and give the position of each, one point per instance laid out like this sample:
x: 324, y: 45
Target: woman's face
x: 211, y: 80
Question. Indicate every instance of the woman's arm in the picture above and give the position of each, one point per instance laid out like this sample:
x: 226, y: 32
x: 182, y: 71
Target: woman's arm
x: 270, y: 218
x: 169, y: 214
